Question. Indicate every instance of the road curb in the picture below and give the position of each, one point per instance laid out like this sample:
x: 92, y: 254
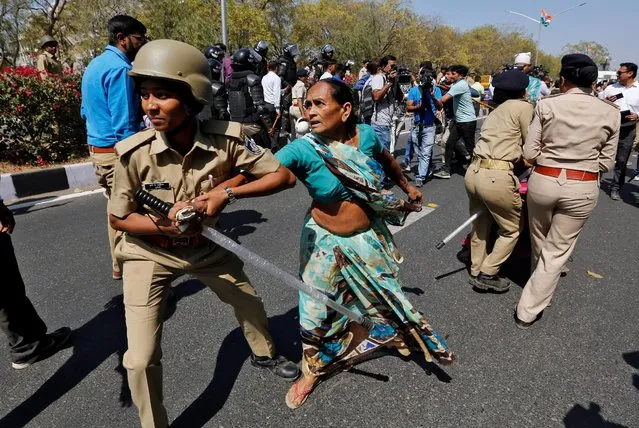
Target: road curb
x: 36, y: 182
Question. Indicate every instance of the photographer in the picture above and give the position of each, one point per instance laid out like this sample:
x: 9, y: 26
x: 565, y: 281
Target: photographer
x: 384, y: 102
x: 424, y: 101
x: 465, y: 121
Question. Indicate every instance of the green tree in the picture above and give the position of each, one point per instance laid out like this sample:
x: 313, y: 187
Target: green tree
x: 599, y: 53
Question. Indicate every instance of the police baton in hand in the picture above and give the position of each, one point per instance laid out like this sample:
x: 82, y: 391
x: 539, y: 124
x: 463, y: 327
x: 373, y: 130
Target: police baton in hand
x: 187, y: 214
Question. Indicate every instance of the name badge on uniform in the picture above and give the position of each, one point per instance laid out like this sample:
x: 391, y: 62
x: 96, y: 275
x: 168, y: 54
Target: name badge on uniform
x: 251, y: 146
x: 159, y: 185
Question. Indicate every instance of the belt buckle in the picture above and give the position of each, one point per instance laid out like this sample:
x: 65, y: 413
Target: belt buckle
x: 180, y: 242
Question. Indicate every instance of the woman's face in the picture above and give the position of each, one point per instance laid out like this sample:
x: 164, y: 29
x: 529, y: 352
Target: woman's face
x: 323, y: 112
x: 162, y: 105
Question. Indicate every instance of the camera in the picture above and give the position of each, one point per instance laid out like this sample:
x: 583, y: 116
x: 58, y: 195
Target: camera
x: 426, y: 78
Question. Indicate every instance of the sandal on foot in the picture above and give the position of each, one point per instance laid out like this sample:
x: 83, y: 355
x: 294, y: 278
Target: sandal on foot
x: 303, y: 393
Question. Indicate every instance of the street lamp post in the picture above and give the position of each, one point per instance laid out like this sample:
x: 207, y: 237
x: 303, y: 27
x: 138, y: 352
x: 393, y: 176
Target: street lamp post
x: 225, y: 38
x: 540, y: 22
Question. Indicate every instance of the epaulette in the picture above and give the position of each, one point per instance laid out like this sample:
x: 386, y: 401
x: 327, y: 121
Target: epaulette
x: 609, y: 102
x: 222, y: 127
x: 134, y: 141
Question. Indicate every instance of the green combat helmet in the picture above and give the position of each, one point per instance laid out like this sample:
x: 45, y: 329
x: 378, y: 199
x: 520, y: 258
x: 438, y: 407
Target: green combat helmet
x: 178, y: 62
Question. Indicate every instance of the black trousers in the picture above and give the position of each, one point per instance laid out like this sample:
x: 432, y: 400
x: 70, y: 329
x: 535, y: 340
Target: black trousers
x: 465, y: 130
x: 624, y: 148
x: 18, y: 318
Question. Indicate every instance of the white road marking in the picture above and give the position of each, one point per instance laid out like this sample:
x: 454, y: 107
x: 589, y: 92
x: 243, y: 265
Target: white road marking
x: 54, y: 199
x: 412, y: 218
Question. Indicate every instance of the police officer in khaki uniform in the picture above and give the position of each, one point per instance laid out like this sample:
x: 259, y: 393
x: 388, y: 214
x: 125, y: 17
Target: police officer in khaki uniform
x: 47, y: 62
x: 178, y: 160
x: 492, y: 187
x: 571, y: 141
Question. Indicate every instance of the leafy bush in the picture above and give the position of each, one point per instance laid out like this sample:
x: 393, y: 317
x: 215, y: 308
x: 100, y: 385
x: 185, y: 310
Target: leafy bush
x: 40, y: 118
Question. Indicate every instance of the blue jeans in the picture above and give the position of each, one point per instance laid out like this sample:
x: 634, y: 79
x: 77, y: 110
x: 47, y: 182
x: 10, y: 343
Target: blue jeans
x: 383, y: 133
x: 408, y: 153
x: 423, y: 142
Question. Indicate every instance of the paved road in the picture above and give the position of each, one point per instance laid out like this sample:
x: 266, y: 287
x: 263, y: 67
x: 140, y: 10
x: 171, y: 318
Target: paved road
x: 578, y: 367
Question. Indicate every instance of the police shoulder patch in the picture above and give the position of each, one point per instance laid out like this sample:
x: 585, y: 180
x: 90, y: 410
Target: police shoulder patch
x: 222, y: 127
x: 134, y: 141
x: 251, y: 146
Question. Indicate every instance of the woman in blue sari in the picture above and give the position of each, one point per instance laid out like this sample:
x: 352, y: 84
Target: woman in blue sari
x: 347, y: 250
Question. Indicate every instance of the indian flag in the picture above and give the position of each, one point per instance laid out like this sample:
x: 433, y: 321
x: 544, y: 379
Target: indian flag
x: 546, y: 18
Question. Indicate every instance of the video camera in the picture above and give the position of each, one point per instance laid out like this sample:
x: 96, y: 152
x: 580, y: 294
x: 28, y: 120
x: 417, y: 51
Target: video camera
x: 426, y: 78
x: 348, y: 64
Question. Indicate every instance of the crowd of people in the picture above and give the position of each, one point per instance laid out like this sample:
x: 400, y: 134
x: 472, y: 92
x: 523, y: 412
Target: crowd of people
x: 220, y: 126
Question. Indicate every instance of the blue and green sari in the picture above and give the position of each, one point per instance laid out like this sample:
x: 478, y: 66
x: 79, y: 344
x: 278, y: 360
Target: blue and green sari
x: 360, y: 271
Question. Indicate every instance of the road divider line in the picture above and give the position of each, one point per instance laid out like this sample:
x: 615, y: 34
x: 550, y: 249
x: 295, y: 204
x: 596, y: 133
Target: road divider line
x: 53, y: 199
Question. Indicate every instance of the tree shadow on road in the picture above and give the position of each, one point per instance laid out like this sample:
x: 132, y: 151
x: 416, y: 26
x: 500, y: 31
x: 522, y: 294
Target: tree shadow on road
x: 231, y: 357
x: 580, y: 417
x: 95, y: 341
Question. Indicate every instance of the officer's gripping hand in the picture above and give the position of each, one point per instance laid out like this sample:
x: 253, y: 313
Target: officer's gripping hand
x: 212, y: 203
x: 6, y: 219
x: 173, y: 228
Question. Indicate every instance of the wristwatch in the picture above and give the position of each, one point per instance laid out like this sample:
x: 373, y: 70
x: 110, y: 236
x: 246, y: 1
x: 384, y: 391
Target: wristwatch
x: 232, y: 198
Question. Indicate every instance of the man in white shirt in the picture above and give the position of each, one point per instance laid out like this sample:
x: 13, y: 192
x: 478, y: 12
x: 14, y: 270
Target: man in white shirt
x: 624, y: 93
x: 272, y: 86
x: 330, y: 70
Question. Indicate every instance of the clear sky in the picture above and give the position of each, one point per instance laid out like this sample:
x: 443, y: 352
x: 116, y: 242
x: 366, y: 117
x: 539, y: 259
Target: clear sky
x: 614, y: 24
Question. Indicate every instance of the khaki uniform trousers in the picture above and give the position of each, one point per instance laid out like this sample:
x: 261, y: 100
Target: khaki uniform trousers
x: 495, y: 194
x: 104, y: 165
x: 147, y: 274
x: 557, y: 211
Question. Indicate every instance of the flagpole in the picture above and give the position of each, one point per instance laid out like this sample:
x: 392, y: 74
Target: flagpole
x: 538, y: 43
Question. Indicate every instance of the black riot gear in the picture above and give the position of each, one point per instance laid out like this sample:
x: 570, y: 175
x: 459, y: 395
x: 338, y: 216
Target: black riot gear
x: 246, y: 97
x: 291, y: 50
x: 220, y: 105
x: 214, y: 52
x: 216, y: 69
x: 261, y: 48
x: 328, y: 51
x: 243, y: 59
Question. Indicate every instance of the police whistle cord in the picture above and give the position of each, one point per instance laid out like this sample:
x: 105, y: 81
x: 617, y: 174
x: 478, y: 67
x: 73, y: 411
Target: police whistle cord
x: 261, y: 263
x: 457, y: 231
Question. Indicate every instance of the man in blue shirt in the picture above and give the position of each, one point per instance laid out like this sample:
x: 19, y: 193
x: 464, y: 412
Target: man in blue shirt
x: 110, y: 105
x: 465, y: 121
x: 423, y: 130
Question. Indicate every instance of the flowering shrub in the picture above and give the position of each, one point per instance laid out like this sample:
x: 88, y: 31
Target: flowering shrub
x: 40, y: 118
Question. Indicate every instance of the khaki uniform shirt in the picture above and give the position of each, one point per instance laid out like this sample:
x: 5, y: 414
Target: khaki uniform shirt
x: 504, y: 131
x: 573, y: 130
x: 146, y: 160
x: 299, y: 91
x: 48, y: 63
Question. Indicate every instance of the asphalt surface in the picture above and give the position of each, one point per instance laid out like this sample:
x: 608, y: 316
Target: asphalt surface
x: 577, y: 367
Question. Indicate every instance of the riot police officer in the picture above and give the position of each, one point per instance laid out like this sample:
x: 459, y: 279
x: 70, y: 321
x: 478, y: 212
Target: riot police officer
x: 318, y: 65
x: 217, y: 54
x: 288, y: 73
x: 220, y: 105
x: 246, y: 97
x: 261, y: 48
